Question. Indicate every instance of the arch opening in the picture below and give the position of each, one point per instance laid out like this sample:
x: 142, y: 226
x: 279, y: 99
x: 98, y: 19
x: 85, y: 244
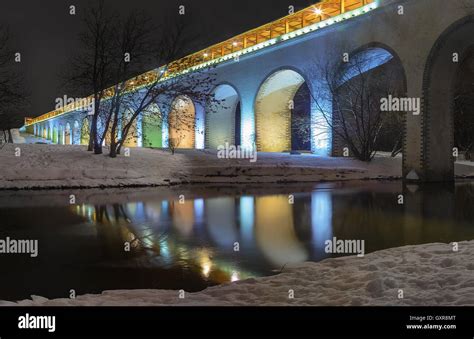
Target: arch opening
x: 67, y: 135
x: 182, y: 122
x: 223, y: 118
x: 131, y: 139
x: 152, y: 127
x: 283, y: 113
x: 55, y: 135
x: 464, y: 108
x: 368, y: 104
x: 448, y: 97
x: 85, y: 132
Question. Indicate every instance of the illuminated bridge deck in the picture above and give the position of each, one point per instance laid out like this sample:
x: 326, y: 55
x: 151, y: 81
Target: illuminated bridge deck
x: 310, y: 19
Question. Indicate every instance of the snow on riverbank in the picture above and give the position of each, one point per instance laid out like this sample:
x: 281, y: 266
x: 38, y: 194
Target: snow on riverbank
x: 431, y: 274
x: 59, y: 166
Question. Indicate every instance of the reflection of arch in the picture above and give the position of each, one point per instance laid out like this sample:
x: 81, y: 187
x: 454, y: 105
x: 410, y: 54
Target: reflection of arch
x: 221, y: 224
x: 45, y: 132
x: 438, y: 93
x: 183, y: 216
x: 275, y: 231
x: 152, y: 127
x: 50, y: 132
x: 182, y: 122
x: 279, y: 126
x: 85, y: 132
x: 76, y: 134
x: 374, y: 71
x: 223, y: 117
x: 67, y: 134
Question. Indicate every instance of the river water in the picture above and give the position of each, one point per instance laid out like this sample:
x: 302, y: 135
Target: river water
x: 190, y: 238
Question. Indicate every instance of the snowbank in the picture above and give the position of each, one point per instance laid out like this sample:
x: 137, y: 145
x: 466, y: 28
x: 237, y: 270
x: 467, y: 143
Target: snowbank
x: 428, y: 275
x: 55, y: 166
x: 17, y: 138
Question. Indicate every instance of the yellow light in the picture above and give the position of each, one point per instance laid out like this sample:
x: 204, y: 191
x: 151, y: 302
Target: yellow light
x: 206, y: 55
x: 206, y: 269
x: 318, y: 11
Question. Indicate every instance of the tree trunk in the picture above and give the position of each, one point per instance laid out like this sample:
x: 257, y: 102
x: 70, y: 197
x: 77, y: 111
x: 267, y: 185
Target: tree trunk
x: 119, y: 147
x: 10, y: 136
x: 92, y: 132
x: 113, y: 148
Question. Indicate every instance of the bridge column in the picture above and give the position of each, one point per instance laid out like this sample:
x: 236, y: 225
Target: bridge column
x: 200, y: 125
x: 321, y: 133
x: 412, y: 144
x: 247, y: 134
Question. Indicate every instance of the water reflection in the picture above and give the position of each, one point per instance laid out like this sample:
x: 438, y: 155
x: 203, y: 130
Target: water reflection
x: 215, y: 238
x: 270, y: 232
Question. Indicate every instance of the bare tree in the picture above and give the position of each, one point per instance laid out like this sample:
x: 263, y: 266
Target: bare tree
x: 348, y: 98
x: 91, y: 70
x: 12, y: 91
x: 128, y: 45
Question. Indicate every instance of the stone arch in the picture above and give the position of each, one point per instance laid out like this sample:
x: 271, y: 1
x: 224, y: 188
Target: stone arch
x: 152, y: 123
x: 283, y: 112
x: 223, y: 117
x: 379, y: 67
x: 182, y: 121
x: 439, y: 101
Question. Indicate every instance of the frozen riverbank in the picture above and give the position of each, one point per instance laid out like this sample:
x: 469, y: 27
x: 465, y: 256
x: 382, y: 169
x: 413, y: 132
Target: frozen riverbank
x: 55, y: 166
x: 431, y: 274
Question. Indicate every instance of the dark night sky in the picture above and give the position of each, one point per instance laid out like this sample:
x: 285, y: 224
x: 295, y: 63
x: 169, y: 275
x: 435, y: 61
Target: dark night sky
x: 46, y: 35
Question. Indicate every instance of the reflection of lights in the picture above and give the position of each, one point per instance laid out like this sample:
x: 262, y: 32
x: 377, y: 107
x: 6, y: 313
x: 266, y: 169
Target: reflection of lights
x: 199, y: 210
x: 235, y: 276
x: 165, y: 251
x: 321, y: 217
x: 205, y: 262
x: 164, y: 207
x: 247, y: 218
x: 206, y: 268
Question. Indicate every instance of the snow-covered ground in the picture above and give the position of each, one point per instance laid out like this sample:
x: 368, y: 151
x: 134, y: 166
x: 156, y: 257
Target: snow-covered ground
x: 422, y: 275
x: 60, y: 166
